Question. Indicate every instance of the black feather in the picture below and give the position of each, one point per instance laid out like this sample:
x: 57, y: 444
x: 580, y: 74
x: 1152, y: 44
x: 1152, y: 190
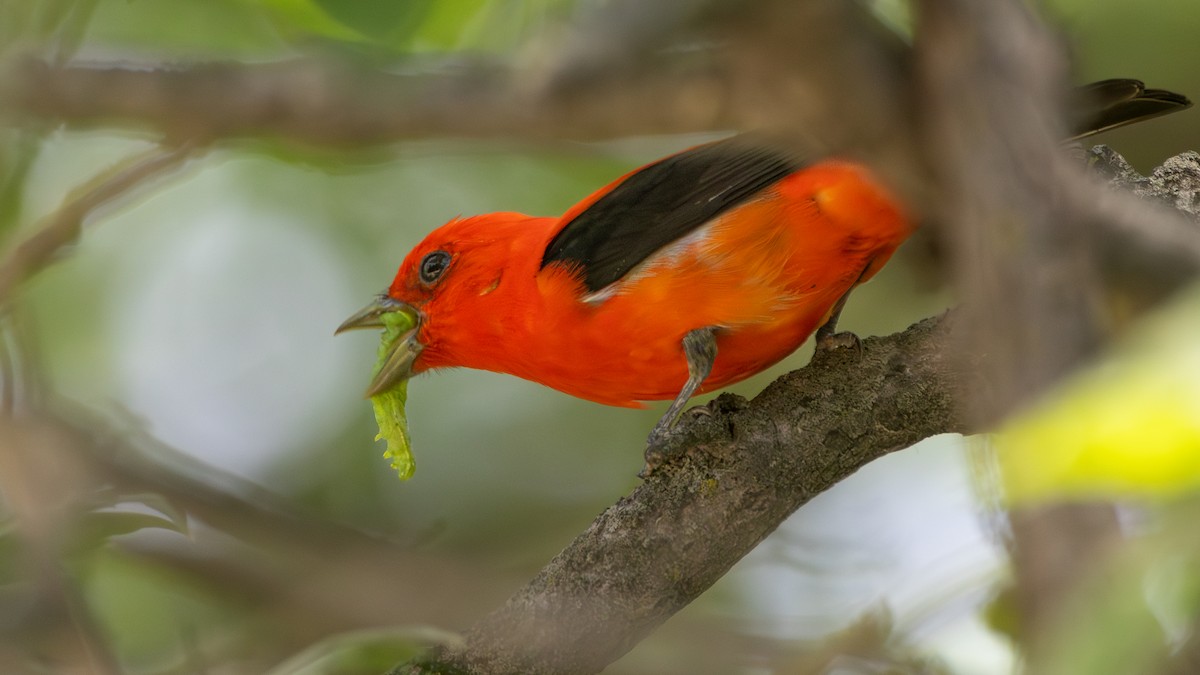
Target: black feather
x: 1109, y: 104
x: 661, y: 203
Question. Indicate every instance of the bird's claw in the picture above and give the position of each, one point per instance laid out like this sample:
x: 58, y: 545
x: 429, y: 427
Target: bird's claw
x: 843, y: 340
x: 657, y: 448
x: 664, y: 440
x: 659, y: 445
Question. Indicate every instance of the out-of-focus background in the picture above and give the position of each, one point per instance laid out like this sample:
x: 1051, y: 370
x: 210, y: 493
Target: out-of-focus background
x: 194, y: 324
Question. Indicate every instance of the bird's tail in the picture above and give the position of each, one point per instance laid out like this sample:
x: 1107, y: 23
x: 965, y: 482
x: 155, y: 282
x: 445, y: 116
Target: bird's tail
x: 1109, y: 104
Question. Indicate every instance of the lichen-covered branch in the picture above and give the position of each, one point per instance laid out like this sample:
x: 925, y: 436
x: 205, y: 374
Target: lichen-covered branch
x: 746, y: 468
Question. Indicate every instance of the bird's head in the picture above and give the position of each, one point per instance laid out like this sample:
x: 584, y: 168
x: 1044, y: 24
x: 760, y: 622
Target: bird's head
x: 444, y: 286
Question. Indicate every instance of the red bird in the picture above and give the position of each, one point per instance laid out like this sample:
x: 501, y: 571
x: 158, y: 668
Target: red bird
x: 683, y: 276
x: 680, y: 277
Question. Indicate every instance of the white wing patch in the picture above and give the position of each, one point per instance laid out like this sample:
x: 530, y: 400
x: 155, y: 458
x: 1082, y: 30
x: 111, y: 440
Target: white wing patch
x: 669, y: 255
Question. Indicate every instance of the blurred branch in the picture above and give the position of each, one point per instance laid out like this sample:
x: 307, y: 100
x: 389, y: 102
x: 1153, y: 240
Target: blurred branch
x: 332, y: 575
x: 36, y: 490
x: 61, y: 228
x: 1027, y: 222
x: 1145, y: 244
x: 623, y: 70
x: 1022, y: 253
x: 689, y: 66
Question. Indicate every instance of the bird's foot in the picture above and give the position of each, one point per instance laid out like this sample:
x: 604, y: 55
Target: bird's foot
x: 669, y: 439
x: 829, y: 342
x: 659, y: 447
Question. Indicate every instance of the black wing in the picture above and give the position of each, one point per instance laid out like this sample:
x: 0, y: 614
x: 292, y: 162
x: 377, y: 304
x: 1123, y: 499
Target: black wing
x: 1108, y: 104
x: 661, y: 203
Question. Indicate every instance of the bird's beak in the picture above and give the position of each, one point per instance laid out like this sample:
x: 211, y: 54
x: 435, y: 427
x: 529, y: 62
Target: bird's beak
x: 396, y: 359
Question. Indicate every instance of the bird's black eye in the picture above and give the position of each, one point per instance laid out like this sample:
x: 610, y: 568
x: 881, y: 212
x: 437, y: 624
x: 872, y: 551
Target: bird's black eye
x: 433, y: 265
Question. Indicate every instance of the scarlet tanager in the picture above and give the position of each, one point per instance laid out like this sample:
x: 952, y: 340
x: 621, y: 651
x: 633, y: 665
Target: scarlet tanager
x: 678, y: 278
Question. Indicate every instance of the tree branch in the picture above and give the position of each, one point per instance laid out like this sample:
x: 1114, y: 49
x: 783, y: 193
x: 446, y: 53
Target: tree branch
x: 747, y: 468
x: 322, y: 593
x: 62, y: 227
x: 694, y: 66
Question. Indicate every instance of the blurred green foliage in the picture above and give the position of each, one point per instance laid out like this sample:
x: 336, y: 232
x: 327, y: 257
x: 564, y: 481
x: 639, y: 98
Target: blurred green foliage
x: 1127, y: 428
x: 202, y: 315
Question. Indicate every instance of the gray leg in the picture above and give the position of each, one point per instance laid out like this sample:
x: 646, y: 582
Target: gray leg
x: 827, y: 336
x: 700, y: 348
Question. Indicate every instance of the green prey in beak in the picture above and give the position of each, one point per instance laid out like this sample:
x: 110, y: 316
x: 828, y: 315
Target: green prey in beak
x: 399, y: 348
x: 388, y: 391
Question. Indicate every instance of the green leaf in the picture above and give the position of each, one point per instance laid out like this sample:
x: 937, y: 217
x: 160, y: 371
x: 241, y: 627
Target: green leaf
x: 1129, y: 427
x: 308, y: 18
x: 163, y: 505
x: 381, y: 20
x: 93, y: 530
x: 105, y: 518
x: 389, y: 405
x: 188, y: 30
x: 110, y: 499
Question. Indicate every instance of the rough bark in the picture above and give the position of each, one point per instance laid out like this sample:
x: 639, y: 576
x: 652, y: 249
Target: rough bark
x: 747, y: 466
x: 745, y: 469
